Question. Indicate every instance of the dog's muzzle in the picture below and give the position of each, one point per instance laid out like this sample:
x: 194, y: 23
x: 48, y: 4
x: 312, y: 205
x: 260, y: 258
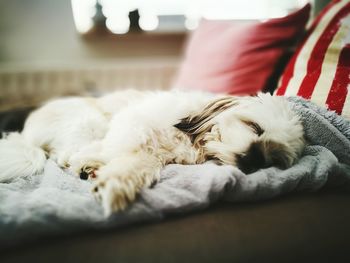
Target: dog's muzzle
x: 252, y: 160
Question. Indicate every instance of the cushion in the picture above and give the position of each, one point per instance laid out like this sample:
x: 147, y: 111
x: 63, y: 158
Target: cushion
x: 320, y: 68
x: 238, y: 57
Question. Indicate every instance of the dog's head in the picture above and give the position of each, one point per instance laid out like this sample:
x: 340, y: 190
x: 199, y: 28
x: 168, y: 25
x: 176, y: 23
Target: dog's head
x: 248, y: 132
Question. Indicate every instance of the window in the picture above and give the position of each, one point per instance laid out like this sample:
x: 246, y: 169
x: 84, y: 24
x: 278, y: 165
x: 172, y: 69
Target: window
x: 123, y: 16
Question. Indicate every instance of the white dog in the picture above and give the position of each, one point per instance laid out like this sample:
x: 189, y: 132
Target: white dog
x: 121, y: 141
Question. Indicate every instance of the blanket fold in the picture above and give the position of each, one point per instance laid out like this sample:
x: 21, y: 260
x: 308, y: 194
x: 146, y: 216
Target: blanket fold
x: 55, y: 202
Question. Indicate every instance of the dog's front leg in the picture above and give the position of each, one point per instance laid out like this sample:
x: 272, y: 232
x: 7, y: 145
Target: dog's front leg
x: 120, y: 180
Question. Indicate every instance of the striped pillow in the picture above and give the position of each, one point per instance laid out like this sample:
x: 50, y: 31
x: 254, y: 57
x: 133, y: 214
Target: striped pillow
x: 320, y: 68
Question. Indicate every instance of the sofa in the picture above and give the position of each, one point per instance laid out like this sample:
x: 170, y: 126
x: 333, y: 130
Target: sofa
x: 299, y: 227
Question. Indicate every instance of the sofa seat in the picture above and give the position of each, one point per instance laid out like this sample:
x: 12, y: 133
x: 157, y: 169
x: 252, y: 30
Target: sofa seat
x: 301, y: 227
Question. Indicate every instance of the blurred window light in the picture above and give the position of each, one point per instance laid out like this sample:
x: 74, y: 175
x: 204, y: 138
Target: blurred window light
x: 83, y: 13
x: 118, y: 24
x: 177, y: 15
x: 191, y: 23
x: 148, y: 22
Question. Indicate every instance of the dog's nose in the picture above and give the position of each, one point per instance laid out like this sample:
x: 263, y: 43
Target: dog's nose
x: 252, y: 160
x: 84, y: 175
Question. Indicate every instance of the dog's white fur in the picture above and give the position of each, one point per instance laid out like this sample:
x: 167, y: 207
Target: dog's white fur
x: 125, y: 138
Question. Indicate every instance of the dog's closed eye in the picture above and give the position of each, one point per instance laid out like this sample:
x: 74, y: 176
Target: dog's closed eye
x: 254, y: 126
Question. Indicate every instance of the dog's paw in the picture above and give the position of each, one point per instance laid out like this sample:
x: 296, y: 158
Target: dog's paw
x: 119, y: 181
x: 89, y: 171
x: 86, y: 169
x: 114, y: 193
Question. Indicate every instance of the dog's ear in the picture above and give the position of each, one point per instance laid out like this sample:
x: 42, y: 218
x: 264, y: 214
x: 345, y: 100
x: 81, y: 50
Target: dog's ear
x: 198, y: 123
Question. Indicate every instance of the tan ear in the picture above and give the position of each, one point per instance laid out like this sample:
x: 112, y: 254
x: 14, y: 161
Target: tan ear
x: 198, y: 123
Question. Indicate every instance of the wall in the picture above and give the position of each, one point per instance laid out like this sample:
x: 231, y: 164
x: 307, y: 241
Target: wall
x: 42, y: 56
x: 35, y: 31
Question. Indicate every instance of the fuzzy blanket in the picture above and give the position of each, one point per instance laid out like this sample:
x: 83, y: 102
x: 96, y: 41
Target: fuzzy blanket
x: 56, y: 203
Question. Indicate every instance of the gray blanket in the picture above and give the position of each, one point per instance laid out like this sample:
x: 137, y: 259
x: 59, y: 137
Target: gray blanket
x: 57, y: 203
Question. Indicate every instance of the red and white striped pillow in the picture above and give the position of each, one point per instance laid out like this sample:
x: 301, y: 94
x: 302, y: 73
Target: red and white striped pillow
x: 320, y: 68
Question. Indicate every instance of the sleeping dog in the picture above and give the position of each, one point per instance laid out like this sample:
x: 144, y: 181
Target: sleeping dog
x: 121, y: 141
